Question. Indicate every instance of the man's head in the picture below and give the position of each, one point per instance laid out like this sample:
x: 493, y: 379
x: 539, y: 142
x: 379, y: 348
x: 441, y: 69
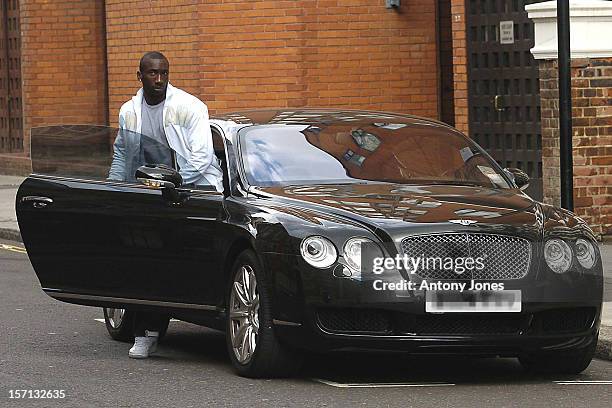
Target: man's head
x: 153, y: 73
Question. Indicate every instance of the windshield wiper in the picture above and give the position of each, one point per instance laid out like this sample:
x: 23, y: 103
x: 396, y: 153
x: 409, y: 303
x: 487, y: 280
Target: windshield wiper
x: 456, y: 183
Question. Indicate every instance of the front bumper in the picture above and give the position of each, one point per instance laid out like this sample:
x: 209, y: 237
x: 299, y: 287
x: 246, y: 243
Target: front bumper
x: 557, y: 314
x: 474, y: 340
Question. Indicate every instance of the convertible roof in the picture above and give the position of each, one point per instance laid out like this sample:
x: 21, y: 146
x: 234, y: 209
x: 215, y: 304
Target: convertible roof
x: 313, y: 116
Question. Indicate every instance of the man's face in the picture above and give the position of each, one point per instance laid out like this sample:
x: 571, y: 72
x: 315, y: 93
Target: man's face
x: 154, y: 76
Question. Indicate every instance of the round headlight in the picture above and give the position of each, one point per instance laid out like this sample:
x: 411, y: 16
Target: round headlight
x: 318, y: 251
x: 353, y: 252
x: 558, y: 255
x: 585, y: 252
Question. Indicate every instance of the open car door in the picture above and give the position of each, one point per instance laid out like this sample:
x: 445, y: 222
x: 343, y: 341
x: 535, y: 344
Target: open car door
x: 97, y: 235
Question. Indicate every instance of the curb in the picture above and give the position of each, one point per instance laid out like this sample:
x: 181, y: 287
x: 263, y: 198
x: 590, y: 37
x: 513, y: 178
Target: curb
x: 10, y: 234
x: 604, y: 345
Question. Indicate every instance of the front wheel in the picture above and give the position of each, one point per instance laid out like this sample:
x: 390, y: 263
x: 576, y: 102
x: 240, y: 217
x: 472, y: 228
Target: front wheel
x: 251, y: 342
x: 565, y: 362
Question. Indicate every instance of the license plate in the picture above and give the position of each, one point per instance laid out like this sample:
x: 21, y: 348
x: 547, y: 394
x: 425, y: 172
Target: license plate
x: 473, y: 301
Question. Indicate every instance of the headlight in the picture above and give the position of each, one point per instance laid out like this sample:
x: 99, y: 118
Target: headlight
x: 353, y: 252
x: 318, y: 251
x: 558, y: 255
x: 585, y: 252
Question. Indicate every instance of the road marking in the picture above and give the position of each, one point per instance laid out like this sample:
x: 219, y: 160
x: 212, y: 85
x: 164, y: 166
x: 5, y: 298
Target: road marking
x: 585, y: 382
x: 13, y: 248
x: 381, y: 385
x: 102, y: 320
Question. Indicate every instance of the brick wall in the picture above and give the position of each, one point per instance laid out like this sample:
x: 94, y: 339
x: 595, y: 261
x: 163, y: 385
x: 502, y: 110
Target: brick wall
x: 460, y: 65
x: 255, y: 53
x: 592, y: 139
x: 134, y: 27
x: 63, y: 63
x: 549, y: 102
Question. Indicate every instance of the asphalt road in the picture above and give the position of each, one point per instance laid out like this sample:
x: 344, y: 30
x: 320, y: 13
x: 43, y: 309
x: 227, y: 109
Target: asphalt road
x: 49, y: 345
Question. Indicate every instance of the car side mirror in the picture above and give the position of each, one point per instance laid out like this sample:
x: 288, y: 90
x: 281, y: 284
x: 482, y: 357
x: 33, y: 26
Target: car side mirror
x: 159, y: 176
x: 520, y: 178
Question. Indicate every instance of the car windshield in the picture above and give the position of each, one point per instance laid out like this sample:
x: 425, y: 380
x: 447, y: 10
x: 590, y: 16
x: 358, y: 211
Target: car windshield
x: 404, y: 153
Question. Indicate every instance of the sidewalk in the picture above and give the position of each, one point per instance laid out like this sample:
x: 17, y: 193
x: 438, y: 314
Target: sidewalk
x: 10, y: 230
x: 8, y: 219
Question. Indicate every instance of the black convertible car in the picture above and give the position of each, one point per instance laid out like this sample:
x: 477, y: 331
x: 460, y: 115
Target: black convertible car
x: 336, y: 230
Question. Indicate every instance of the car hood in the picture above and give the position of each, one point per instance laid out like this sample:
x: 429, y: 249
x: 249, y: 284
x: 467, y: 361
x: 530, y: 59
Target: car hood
x: 394, y: 207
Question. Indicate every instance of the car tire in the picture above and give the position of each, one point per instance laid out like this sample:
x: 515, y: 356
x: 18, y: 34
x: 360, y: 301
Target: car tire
x: 120, y: 324
x: 252, y: 344
x: 566, y: 362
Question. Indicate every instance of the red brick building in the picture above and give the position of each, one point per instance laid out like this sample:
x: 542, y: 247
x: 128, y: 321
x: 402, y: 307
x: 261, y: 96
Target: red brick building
x: 75, y: 61
x: 79, y: 58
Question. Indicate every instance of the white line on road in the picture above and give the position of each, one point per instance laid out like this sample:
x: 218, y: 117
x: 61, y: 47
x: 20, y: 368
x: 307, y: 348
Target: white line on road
x: 380, y: 385
x: 13, y: 248
x: 102, y: 320
x: 585, y: 382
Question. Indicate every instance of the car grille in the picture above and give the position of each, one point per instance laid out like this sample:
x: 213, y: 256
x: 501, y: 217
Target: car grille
x: 464, y: 324
x: 381, y: 322
x: 354, y: 321
x: 504, y: 257
x: 564, y: 320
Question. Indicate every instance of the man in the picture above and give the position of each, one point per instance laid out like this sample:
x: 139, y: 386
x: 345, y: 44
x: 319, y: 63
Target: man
x: 168, y: 117
x: 162, y: 124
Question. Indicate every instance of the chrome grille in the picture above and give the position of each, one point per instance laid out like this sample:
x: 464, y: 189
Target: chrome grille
x: 505, y: 257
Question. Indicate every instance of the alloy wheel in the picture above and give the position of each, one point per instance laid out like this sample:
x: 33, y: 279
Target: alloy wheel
x: 115, y: 317
x: 244, y: 314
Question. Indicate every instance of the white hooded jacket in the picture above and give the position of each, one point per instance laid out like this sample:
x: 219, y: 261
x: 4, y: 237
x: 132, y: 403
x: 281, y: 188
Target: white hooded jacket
x: 187, y: 129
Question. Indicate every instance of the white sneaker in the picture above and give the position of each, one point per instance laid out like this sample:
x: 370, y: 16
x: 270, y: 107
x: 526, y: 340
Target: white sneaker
x: 144, y: 345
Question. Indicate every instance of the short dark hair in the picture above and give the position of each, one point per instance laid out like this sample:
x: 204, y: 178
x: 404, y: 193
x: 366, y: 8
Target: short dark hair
x: 151, y: 55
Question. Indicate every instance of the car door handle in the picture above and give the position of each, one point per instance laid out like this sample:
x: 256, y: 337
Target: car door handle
x: 37, y: 201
